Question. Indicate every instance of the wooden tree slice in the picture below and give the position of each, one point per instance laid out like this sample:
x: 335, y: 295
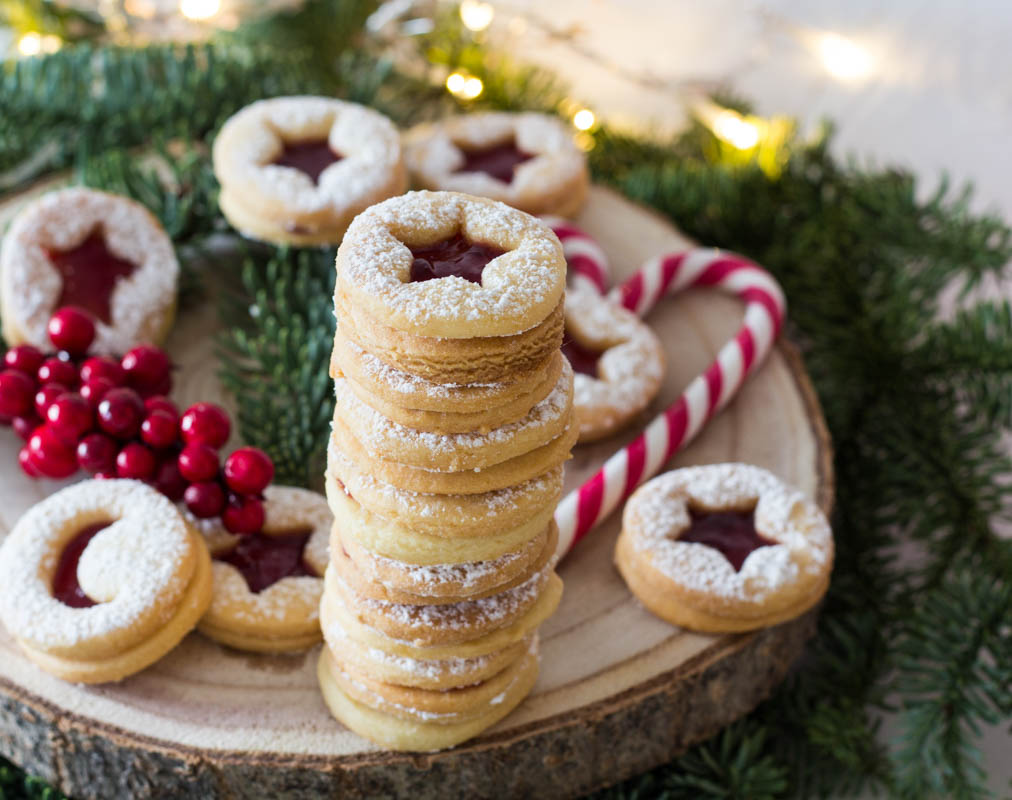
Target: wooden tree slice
x: 619, y: 691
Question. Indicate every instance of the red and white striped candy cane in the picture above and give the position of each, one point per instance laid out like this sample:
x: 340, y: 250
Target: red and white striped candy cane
x: 584, y: 257
x: 707, y: 394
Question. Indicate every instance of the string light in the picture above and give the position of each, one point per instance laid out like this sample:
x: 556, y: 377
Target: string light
x: 472, y: 88
x: 843, y: 58
x: 464, y: 86
x: 584, y: 119
x: 199, y: 9
x: 476, y: 15
x: 30, y: 44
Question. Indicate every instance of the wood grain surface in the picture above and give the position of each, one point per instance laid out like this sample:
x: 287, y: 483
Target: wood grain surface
x: 619, y: 690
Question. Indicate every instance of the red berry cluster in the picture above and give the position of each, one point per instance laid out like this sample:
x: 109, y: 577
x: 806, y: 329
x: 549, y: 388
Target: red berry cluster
x: 112, y: 419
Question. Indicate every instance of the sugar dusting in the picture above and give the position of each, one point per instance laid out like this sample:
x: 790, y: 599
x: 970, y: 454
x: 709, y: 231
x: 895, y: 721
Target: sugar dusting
x: 63, y: 219
x: 659, y: 511
x: 375, y: 262
x: 31, y: 551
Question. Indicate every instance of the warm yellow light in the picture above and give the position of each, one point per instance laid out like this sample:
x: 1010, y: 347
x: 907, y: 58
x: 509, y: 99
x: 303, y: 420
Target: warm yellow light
x: 584, y: 119
x: 735, y: 129
x: 476, y: 15
x: 843, y: 58
x: 199, y: 9
x: 30, y: 44
x: 145, y: 9
x: 472, y: 88
x: 51, y: 43
x: 455, y: 83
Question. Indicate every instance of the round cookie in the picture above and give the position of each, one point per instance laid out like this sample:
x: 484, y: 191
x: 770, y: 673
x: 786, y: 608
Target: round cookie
x: 724, y: 548
x: 392, y: 540
x: 527, y: 160
x: 282, y: 616
x: 518, y: 289
x: 422, y: 731
x: 427, y: 406
x: 364, y: 586
x: 296, y: 170
x: 619, y: 363
x: 514, y: 471
x: 102, y: 579
x: 442, y: 516
x: 359, y: 659
x: 486, y: 359
x: 386, y: 440
x: 333, y: 611
x: 102, y: 252
x: 427, y: 625
x: 448, y: 580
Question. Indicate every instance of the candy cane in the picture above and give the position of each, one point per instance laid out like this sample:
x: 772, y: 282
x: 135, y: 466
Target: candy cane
x: 584, y: 256
x: 707, y: 394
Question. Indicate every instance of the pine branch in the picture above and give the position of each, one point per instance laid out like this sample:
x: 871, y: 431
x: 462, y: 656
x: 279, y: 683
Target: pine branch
x: 955, y: 661
x: 276, y: 358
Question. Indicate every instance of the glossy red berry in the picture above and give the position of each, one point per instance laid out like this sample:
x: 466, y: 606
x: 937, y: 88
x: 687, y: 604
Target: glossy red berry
x: 206, y: 499
x: 26, y: 464
x: 46, y: 395
x: 16, y: 393
x: 244, y: 514
x: 205, y: 423
x: 105, y: 475
x: 120, y: 413
x: 198, y: 462
x: 160, y: 403
x: 135, y: 461
x: 56, y: 370
x: 102, y: 367
x: 51, y: 454
x: 24, y: 424
x: 71, y: 329
x: 148, y: 370
x: 248, y: 470
x: 24, y: 358
x: 70, y: 416
x: 160, y: 429
x: 96, y: 453
x: 94, y: 390
x: 168, y: 480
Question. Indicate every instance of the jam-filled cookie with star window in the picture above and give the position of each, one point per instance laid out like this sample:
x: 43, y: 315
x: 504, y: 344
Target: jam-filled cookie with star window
x: 99, y: 252
x: 527, y: 160
x: 296, y: 170
x: 724, y: 548
x: 267, y: 585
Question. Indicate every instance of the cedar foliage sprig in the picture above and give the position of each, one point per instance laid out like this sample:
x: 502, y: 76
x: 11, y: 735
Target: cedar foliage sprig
x: 916, y: 403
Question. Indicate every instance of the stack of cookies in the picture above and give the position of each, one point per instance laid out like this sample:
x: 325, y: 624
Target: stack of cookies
x: 453, y: 420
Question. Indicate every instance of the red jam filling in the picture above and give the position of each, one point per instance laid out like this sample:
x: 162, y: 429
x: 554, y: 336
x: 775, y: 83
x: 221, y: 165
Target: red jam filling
x: 455, y: 256
x: 66, y: 589
x: 311, y: 158
x: 499, y: 161
x: 582, y: 360
x: 733, y: 533
x: 264, y: 560
x: 89, y: 273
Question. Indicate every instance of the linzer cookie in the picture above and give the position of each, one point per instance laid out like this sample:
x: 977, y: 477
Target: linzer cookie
x: 297, y: 170
x: 99, y: 252
x: 724, y: 548
x: 267, y: 585
x: 527, y: 160
x: 454, y: 416
x: 102, y: 579
x: 618, y: 361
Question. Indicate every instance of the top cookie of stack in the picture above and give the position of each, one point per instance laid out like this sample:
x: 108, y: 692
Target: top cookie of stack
x: 453, y: 419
